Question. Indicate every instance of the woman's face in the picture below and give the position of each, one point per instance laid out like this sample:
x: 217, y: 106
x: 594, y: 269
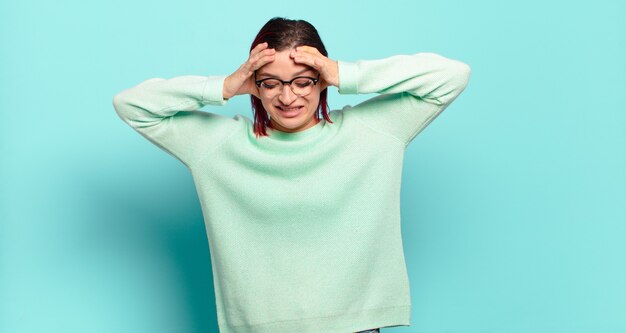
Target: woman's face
x: 289, y: 112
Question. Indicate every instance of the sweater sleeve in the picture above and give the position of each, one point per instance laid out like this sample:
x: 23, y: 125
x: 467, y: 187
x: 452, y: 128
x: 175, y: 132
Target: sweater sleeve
x: 414, y: 90
x: 166, y: 112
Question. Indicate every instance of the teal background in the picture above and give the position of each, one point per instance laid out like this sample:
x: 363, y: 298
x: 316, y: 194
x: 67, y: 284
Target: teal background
x: 513, y: 199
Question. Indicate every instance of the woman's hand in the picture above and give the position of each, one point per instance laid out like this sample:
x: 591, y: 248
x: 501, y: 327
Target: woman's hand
x: 242, y: 80
x: 328, y: 68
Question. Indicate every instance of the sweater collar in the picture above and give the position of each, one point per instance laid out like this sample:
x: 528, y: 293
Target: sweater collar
x: 290, y: 142
x: 296, y: 136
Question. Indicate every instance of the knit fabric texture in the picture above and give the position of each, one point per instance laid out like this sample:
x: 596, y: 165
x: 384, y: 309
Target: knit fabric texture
x: 303, y: 228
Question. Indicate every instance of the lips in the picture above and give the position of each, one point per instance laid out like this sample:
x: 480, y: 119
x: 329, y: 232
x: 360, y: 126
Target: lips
x: 290, y: 111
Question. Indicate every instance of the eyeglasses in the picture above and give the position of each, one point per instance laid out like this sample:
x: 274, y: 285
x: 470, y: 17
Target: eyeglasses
x: 300, y: 85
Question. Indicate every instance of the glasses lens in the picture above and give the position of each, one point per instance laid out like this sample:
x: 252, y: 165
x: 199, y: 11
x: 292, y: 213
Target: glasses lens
x: 271, y: 85
x: 300, y: 86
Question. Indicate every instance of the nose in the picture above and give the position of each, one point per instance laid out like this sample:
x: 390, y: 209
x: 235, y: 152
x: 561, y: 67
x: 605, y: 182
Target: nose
x: 286, y: 95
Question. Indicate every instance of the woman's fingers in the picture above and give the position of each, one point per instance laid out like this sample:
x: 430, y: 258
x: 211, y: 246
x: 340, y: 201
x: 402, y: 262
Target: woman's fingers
x: 259, y: 54
x: 311, y: 56
x: 302, y: 57
x: 241, y: 81
x: 264, y: 57
x: 258, y: 49
x: 260, y: 57
x: 308, y: 49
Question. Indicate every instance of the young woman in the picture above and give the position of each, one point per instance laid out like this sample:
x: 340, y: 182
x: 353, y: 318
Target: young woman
x: 301, y: 205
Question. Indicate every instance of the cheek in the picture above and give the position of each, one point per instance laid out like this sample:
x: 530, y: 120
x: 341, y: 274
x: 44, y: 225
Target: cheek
x: 267, y: 105
x: 314, y: 101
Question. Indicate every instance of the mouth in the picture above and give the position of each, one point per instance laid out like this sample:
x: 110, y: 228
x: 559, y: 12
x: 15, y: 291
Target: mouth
x: 290, y: 111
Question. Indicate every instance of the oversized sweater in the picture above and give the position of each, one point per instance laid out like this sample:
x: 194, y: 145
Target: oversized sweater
x: 303, y: 228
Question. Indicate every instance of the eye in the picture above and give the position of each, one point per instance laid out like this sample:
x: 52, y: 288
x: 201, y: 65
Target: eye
x: 303, y: 82
x: 270, y: 84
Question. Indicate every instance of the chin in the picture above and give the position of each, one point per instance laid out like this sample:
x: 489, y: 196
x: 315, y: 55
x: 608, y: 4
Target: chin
x: 292, y: 123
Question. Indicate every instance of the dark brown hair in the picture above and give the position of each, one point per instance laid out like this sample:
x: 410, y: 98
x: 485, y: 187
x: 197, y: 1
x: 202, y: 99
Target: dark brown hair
x: 285, y: 34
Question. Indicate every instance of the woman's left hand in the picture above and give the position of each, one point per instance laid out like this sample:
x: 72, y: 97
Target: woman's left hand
x: 328, y: 68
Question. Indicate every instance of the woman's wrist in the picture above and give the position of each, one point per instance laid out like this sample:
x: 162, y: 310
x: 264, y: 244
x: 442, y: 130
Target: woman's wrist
x: 225, y: 93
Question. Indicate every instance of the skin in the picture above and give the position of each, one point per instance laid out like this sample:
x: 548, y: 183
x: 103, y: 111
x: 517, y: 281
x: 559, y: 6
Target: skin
x: 284, y: 65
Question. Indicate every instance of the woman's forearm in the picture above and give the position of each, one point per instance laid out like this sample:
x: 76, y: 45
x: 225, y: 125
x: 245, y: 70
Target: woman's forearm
x: 414, y: 90
x: 152, y: 100
x: 426, y: 75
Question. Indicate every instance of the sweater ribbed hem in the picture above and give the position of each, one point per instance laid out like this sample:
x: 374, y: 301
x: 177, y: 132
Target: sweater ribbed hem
x: 348, y: 77
x: 212, y: 93
x: 341, y: 323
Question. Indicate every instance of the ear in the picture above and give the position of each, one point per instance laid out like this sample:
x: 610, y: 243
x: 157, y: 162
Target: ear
x: 255, y: 92
x: 323, y: 84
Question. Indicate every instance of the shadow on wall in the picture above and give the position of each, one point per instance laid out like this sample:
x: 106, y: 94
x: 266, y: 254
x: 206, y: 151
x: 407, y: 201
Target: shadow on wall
x: 154, y: 225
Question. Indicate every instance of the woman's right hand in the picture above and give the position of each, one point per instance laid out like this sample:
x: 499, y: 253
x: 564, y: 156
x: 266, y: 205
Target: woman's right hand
x: 242, y: 80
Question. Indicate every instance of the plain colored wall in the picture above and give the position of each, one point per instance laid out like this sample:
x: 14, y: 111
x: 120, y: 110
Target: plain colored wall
x: 513, y: 200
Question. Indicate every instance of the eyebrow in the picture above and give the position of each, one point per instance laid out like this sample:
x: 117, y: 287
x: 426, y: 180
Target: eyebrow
x: 296, y: 74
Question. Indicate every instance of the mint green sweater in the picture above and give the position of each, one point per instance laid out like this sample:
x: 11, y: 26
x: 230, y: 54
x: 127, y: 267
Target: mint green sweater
x: 303, y: 228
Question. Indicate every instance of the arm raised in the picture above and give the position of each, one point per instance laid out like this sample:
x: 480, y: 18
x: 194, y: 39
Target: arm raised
x: 414, y: 90
x: 166, y: 112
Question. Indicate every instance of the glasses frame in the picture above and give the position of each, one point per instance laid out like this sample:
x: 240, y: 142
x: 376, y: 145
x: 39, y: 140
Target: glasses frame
x: 315, y: 80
